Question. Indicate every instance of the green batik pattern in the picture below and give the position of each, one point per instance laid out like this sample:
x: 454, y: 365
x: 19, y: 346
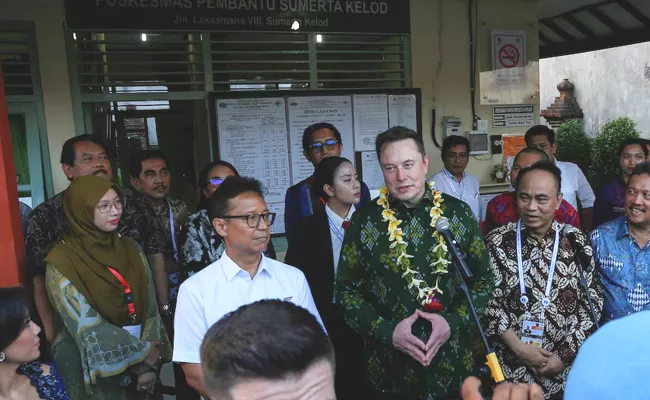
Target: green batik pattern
x: 374, y: 297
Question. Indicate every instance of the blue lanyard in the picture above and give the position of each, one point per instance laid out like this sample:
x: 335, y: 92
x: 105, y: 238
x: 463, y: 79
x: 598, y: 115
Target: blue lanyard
x: 336, y: 230
x: 172, y: 230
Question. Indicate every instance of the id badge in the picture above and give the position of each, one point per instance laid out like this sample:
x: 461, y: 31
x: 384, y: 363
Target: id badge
x: 530, y: 340
x: 532, y: 332
x: 135, y: 330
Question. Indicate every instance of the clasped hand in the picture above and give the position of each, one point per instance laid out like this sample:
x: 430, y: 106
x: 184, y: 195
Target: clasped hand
x: 407, y: 343
x: 540, y: 360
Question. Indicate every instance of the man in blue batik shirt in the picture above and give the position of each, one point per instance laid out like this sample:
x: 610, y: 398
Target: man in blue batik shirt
x: 622, y: 251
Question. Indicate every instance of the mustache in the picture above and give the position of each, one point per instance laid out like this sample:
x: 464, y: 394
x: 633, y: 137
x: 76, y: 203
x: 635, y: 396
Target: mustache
x: 159, y: 187
x: 100, y: 171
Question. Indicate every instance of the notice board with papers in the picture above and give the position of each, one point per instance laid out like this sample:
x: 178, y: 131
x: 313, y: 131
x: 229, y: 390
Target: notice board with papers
x: 260, y: 132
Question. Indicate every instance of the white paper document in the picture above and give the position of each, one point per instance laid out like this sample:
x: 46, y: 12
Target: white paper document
x: 371, y: 170
x: 370, y: 119
x: 402, y: 111
x: 278, y: 225
x: 306, y: 111
x: 253, y: 137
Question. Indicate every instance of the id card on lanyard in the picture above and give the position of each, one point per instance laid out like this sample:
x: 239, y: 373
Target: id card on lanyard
x: 532, y: 329
x: 172, y: 231
x: 135, y: 330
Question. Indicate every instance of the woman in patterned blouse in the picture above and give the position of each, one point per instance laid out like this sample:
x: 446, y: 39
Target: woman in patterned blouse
x: 199, y: 243
x: 21, y: 377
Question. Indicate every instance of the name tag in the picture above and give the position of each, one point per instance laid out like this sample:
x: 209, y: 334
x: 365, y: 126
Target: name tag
x: 135, y: 330
x: 532, y: 332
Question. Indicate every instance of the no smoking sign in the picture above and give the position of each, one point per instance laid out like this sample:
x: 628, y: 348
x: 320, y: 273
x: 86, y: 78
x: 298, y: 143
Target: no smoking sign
x: 509, y: 56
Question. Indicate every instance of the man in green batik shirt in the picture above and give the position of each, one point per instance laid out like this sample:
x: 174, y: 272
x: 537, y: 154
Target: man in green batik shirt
x: 411, y: 354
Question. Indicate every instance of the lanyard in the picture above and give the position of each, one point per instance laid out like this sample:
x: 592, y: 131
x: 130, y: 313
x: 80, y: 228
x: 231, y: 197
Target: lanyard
x: 127, y: 293
x: 451, y: 180
x: 520, y: 264
x: 172, y: 230
x: 336, y: 230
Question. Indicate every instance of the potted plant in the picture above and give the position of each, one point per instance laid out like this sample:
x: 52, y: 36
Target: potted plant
x: 499, y: 173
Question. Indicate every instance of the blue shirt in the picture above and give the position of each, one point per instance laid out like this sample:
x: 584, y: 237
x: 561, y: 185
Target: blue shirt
x: 613, y: 363
x: 624, y: 269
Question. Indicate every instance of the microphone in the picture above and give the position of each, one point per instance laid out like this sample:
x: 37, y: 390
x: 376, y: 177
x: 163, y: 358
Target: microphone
x: 442, y: 226
x: 130, y: 380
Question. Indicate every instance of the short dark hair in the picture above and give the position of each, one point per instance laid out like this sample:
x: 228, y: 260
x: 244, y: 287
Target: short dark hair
x: 540, y: 130
x: 633, y: 142
x: 14, y: 314
x: 310, y: 130
x: 68, y: 150
x: 268, y: 339
x: 542, y: 166
x: 532, y: 150
x: 643, y: 168
x: 232, y: 187
x: 204, y: 202
x: 143, y: 155
x: 454, y: 140
x: 324, y: 175
x: 396, y: 134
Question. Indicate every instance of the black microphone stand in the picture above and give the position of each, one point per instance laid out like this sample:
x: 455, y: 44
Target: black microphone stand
x: 492, y: 360
x: 583, y: 282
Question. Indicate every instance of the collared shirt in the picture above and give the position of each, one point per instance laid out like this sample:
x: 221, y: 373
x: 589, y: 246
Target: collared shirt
x: 223, y: 287
x: 337, y: 242
x: 466, y: 190
x: 179, y: 212
x: 575, y: 185
x: 610, y: 202
x: 502, y: 210
x: 568, y: 321
x: 47, y: 224
x: 199, y: 245
x: 374, y: 296
x: 624, y: 269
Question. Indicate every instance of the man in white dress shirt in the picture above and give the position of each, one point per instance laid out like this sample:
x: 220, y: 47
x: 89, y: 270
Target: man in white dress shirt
x: 241, y: 276
x: 574, y: 183
x: 453, y: 180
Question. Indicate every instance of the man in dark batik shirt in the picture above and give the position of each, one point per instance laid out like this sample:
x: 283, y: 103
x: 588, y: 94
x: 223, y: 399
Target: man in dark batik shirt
x: 86, y: 155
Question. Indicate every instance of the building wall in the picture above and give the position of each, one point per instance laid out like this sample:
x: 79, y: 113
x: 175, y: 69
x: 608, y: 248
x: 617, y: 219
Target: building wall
x: 609, y: 83
x: 429, y: 18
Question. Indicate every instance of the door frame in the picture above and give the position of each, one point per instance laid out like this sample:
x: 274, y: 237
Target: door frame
x: 37, y: 182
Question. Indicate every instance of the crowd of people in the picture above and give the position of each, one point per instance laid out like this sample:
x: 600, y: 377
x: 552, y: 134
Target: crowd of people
x: 366, y: 304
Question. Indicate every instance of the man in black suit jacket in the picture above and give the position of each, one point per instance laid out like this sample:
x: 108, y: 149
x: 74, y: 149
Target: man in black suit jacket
x: 319, y: 141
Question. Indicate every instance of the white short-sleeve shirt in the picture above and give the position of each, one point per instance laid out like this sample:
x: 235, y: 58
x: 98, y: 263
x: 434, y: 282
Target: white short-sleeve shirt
x: 466, y: 190
x: 575, y: 185
x: 223, y: 287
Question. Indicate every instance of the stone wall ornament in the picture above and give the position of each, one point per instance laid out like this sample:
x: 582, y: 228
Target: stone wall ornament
x: 565, y: 107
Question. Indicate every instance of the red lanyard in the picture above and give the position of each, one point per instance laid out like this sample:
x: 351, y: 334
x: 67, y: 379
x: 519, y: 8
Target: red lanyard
x: 127, y: 293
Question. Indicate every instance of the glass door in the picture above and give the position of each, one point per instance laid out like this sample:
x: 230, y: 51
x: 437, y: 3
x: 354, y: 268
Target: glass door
x: 26, y: 143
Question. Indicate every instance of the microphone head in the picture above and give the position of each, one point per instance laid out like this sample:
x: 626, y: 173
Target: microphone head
x: 442, y: 224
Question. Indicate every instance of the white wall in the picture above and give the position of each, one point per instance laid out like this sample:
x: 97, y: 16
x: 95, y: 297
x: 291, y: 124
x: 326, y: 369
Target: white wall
x: 609, y: 84
x: 452, y: 87
x: 451, y: 95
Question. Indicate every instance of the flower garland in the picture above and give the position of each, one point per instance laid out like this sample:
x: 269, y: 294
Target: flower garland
x: 427, y: 295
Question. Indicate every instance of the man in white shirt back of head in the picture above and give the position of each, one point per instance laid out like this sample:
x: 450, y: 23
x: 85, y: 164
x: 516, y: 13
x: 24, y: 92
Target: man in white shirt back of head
x: 241, y: 276
x: 574, y: 183
x: 452, y: 179
x: 268, y: 350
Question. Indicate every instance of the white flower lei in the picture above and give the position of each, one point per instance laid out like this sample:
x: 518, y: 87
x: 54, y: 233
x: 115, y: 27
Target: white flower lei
x: 425, y: 292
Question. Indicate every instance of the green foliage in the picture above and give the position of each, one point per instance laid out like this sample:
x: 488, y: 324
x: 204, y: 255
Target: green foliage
x: 573, y: 144
x: 604, y: 151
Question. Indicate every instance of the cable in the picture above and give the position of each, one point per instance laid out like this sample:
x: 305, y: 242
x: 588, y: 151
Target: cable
x: 473, y: 37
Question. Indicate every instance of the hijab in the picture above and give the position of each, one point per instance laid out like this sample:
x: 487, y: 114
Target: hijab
x: 86, y: 251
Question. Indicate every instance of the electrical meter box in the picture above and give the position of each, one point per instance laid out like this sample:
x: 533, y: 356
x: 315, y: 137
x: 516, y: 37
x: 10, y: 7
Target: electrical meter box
x: 451, y: 126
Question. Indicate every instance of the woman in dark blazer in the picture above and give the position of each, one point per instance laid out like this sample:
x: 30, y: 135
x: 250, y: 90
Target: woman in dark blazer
x: 314, y: 247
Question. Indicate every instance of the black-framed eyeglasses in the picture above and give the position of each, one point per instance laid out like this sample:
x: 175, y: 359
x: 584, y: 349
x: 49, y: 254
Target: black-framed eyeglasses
x: 253, y: 220
x: 216, y: 181
x: 329, y: 144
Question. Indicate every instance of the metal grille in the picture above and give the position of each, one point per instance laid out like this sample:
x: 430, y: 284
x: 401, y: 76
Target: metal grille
x: 130, y: 62
x: 16, y: 59
x: 361, y: 61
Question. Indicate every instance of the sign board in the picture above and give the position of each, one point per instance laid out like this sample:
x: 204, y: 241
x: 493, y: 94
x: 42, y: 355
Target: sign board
x: 509, y: 58
x: 320, y: 16
x: 516, y: 116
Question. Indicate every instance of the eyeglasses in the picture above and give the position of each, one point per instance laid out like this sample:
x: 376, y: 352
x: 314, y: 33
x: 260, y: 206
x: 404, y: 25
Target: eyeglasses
x: 216, y: 181
x: 253, y: 220
x: 318, y: 147
x: 457, y: 156
x: 105, y: 207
